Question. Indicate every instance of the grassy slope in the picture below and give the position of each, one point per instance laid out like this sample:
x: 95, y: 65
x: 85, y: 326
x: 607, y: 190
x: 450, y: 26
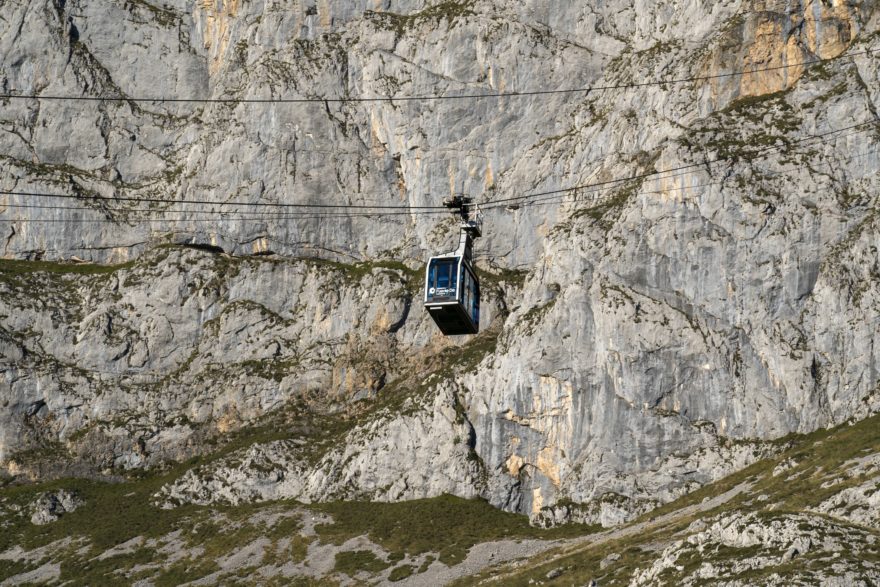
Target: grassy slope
x: 816, y: 458
x: 443, y: 528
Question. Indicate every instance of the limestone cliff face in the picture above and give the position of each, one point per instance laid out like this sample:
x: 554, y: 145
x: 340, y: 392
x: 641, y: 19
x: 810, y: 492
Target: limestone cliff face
x: 641, y: 339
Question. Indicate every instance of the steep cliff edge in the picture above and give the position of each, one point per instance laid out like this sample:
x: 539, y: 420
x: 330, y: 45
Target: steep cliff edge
x: 642, y: 338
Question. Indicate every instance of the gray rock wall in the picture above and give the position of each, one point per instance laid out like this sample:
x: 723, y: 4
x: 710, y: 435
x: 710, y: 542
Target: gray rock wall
x: 665, y: 329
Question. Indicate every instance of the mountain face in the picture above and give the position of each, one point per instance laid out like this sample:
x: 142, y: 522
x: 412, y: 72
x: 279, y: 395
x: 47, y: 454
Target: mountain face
x: 713, y: 284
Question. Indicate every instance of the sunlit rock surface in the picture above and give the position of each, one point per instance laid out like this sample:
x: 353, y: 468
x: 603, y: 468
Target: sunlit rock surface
x: 653, y: 336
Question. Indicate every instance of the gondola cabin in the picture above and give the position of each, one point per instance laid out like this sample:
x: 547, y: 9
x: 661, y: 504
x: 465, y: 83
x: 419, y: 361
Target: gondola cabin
x: 452, y: 289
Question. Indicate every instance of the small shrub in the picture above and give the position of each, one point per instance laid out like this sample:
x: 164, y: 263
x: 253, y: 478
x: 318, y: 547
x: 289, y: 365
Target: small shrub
x: 353, y: 562
x: 400, y: 573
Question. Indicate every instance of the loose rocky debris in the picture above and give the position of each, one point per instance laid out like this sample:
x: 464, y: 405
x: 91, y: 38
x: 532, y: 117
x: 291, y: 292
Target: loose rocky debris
x: 608, y: 511
x: 50, y: 506
x: 609, y: 560
x: 726, y: 548
x: 859, y: 505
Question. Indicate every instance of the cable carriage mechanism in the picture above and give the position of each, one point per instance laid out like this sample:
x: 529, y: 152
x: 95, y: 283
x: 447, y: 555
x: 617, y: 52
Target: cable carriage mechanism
x: 452, y: 288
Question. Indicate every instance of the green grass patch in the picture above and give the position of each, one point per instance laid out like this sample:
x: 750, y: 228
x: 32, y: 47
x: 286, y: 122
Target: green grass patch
x: 114, y: 513
x: 353, y: 562
x: 299, y: 548
x: 449, y: 10
x: 354, y: 273
x: 12, y: 568
x: 535, y: 316
x: 94, y: 571
x: 515, y: 277
x: 16, y: 267
x: 446, y: 525
x: 400, y: 573
x: 426, y: 564
x: 747, y: 127
x: 185, y: 572
x: 162, y: 16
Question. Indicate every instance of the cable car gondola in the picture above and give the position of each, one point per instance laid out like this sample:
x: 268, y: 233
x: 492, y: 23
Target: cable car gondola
x: 452, y: 288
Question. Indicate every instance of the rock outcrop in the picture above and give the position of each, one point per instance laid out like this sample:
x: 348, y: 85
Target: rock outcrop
x: 772, y: 542
x: 49, y: 507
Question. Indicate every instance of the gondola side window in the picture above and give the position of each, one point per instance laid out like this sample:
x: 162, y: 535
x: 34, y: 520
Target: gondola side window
x: 471, y: 295
x: 442, y: 278
x: 475, y: 301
